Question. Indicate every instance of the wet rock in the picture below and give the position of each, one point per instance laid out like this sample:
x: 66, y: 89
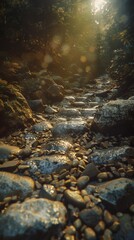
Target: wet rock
x: 74, y: 198
x: 70, y: 112
x: 48, y: 191
x: 6, y: 151
x: 14, y: 110
x: 12, y: 184
x: 90, y: 170
x: 57, y: 147
x: 126, y: 230
x: 112, y: 155
x: 117, y: 194
x: 115, y: 117
x: 42, y: 126
x: 92, y: 216
x: 66, y: 128
x: 48, y: 164
x: 32, y: 219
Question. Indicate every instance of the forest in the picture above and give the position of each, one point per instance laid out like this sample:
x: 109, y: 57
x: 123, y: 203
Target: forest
x: 66, y: 120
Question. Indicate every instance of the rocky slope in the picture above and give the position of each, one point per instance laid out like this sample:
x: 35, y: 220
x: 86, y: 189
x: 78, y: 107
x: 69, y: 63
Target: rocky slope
x: 70, y: 175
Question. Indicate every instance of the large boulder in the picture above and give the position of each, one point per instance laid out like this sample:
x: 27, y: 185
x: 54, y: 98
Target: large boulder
x: 76, y: 126
x: 12, y: 184
x: 32, y: 219
x: 14, y: 109
x: 115, y: 117
x: 112, y: 155
x: 118, y: 194
x: 48, y: 164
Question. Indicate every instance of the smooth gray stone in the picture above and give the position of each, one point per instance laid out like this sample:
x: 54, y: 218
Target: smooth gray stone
x: 66, y: 128
x: 42, y: 126
x: 12, y: 184
x: 32, y: 219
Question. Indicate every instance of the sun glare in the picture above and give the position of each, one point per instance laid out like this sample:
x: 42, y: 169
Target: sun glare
x: 98, y: 5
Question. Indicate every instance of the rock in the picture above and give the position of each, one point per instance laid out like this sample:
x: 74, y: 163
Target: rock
x: 102, y: 176
x: 112, y: 155
x: 78, y: 104
x: 92, y: 216
x: 50, y: 110
x: 115, y: 117
x: 6, y: 151
x: 9, y: 166
x: 88, y: 112
x: 60, y: 146
x: 12, y: 184
x: 49, y: 164
x: 42, y: 126
x: 107, y: 235
x: 90, y: 170
x: 25, y: 152
x: 126, y: 231
x: 66, y: 128
x: 82, y: 181
x: 36, y: 105
x: 90, y: 234
x: 69, y: 112
x: 48, y: 191
x: 100, y: 227
x: 32, y: 219
x: 118, y: 194
x: 15, y: 111
x: 74, y: 198
x: 55, y: 92
x: 108, y: 218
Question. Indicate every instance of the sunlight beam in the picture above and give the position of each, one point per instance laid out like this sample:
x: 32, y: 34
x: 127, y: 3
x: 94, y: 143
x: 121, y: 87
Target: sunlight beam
x: 98, y: 5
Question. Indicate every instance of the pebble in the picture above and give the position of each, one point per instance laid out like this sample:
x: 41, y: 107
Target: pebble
x: 107, y: 235
x: 68, y: 237
x: 91, y: 170
x: 90, y: 234
x: 102, y: 176
x: 82, y: 182
x: 70, y: 230
x: 115, y: 226
x: 92, y: 216
x: 108, y: 218
x: 74, y: 198
x: 100, y: 227
x: 77, y: 223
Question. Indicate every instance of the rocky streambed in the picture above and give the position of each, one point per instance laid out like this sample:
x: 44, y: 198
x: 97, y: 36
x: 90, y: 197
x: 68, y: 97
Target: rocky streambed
x: 70, y: 176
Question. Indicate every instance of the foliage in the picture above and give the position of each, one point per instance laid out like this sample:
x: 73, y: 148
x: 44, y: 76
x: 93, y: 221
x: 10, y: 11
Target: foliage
x: 119, y: 39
